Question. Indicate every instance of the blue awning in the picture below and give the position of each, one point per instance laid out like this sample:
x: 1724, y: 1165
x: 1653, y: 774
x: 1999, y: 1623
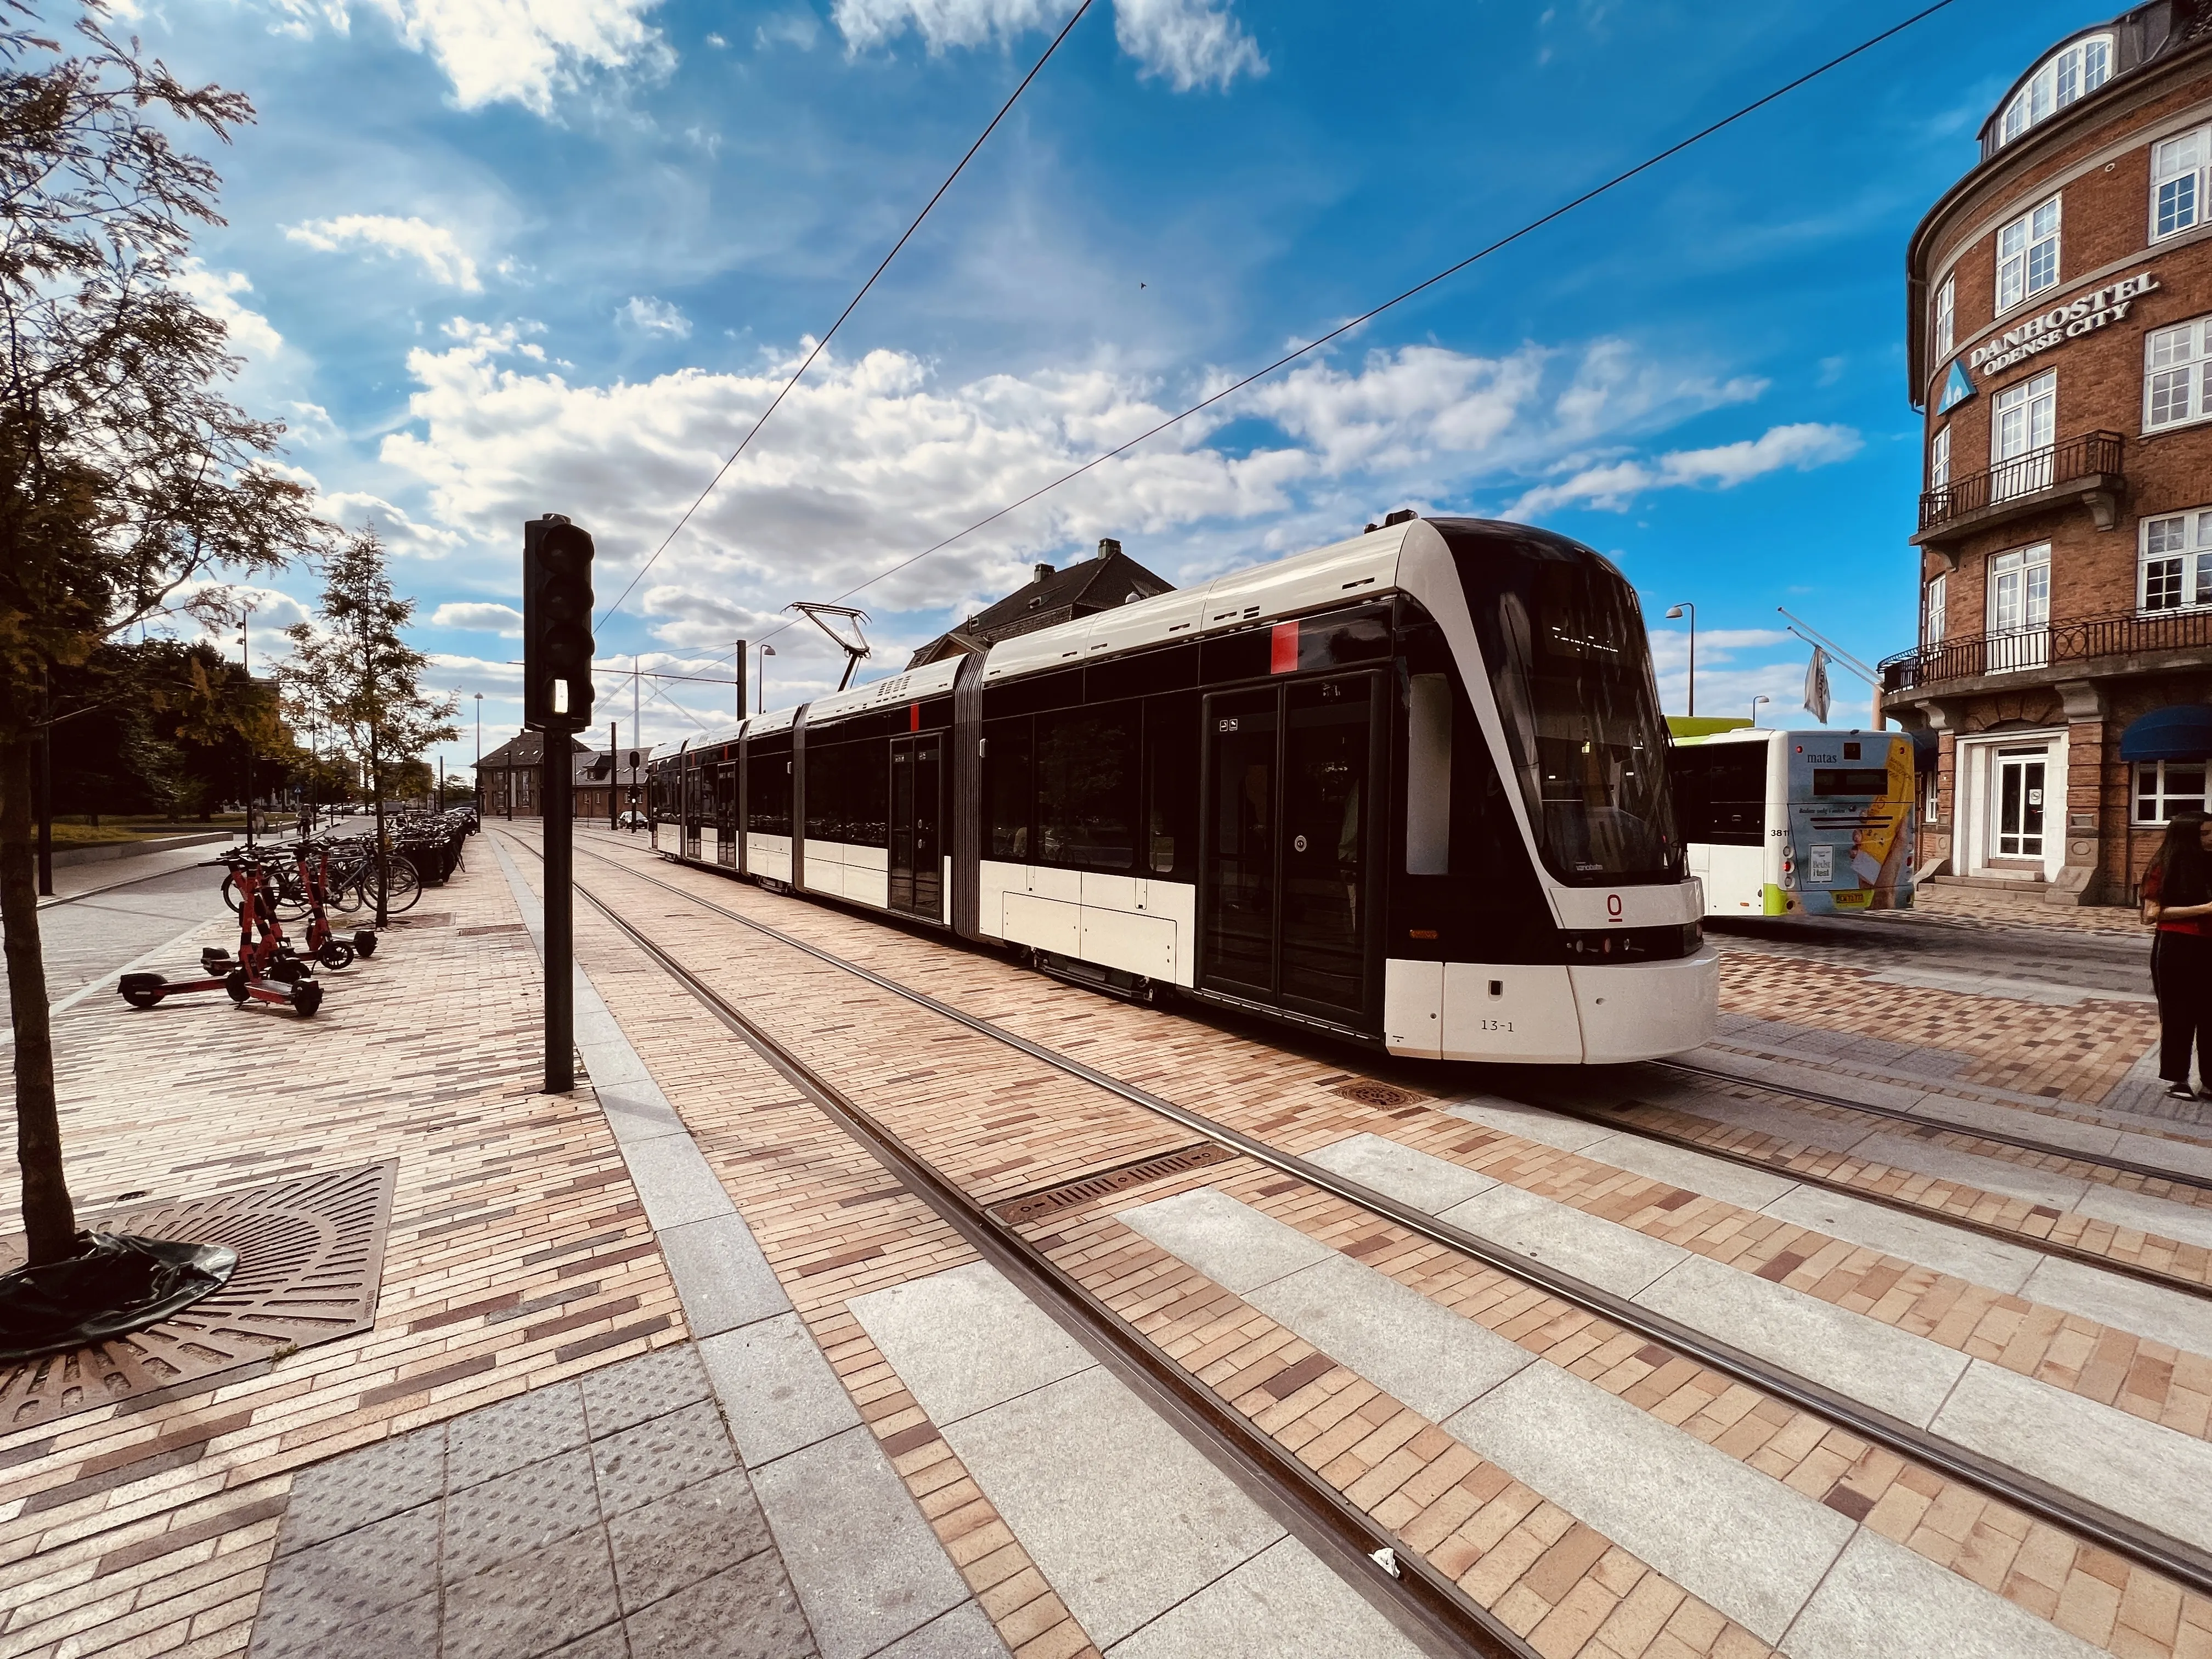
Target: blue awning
x: 2181, y: 732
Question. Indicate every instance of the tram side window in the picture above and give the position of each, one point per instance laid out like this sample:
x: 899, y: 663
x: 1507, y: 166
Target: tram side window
x: 1171, y: 785
x: 1428, y: 775
x: 1006, y: 789
x: 1086, y: 786
x: 848, y: 788
x: 1720, y: 793
x: 768, y: 793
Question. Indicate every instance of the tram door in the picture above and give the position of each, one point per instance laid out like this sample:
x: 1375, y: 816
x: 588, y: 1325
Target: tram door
x: 917, y: 860
x: 1286, y: 911
x: 694, y: 780
x: 725, y: 813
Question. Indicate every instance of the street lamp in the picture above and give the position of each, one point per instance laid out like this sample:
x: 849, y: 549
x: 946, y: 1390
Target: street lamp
x: 767, y: 650
x: 1675, y: 613
x: 1755, y: 702
x: 245, y: 662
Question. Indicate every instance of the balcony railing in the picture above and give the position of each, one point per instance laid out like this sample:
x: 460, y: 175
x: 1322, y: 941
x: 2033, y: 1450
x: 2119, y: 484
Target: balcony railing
x: 2090, y: 461
x: 2122, y: 636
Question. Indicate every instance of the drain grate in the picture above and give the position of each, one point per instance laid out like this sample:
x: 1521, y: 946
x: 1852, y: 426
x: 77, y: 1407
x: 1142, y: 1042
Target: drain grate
x: 310, y: 1259
x: 1034, y: 1206
x: 1368, y: 1093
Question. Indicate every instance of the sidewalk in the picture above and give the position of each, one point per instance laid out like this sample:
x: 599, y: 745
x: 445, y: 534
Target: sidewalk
x: 524, y: 1453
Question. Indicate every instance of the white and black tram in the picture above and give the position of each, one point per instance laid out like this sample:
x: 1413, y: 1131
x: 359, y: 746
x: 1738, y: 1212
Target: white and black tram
x: 1410, y: 788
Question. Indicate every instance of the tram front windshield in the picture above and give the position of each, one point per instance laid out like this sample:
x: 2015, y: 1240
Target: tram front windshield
x: 1565, y: 645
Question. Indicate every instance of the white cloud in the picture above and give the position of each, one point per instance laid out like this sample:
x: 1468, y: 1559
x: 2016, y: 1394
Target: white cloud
x: 502, y: 619
x: 873, y: 458
x: 1193, y: 42
x: 1611, y: 486
x: 441, y: 257
x: 650, y: 316
x: 401, y: 533
x: 522, y: 52
x: 217, y: 293
x: 799, y: 27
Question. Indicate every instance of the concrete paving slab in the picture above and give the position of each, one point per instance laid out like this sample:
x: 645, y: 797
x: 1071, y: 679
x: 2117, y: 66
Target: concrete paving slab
x: 966, y: 1339
x: 2164, y: 1154
x: 1991, y: 1174
x: 2143, y: 1470
x: 966, y: 1632
x: 2091, y: 1139
x: 2129, y: 1304
x: 1751, y: 1547
x: 867, y: 1568
x: 674, y: 1181
x: 1863, y: 1359
x: 720, y: 1274
x: 1603, y: 1253
x: 1694, y: 1172
x: 1768, y: 1117
x: 1122, y: 1515
x: 1420, y: 1179
x: 1881, y: 1598
x: 778, y: 1392
x: 1223, y: 1240
x: 1924, y: 1239
x: 1282, y: 1604
x: 1529, y: 1122
x: 635, y: 1110
x: 1424, y: 1354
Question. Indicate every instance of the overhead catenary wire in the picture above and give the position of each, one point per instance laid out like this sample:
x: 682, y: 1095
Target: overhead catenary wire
x: 1342, y: 329
x: 822, y: 344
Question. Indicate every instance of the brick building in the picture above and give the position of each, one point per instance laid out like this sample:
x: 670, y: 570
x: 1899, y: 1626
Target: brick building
x: 2060, y: 342
x: 1082, y: 589
x: 511, y: 782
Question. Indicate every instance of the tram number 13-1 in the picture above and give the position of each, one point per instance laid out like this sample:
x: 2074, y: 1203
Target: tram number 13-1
x: 1497, y: 1025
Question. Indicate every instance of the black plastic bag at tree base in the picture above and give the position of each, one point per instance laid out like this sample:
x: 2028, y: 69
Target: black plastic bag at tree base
x: 119, y: 1283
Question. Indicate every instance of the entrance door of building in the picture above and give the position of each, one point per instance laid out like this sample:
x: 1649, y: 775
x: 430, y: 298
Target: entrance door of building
x: 1287, y: 861
x: 917, y: 858
x: 2017, y: 799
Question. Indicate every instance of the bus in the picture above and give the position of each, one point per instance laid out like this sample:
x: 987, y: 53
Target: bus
x: 1785, y: 824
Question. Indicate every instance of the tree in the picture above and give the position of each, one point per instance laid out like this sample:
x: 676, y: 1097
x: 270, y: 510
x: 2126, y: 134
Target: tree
x: 124, y: 473
x: 355, y: 676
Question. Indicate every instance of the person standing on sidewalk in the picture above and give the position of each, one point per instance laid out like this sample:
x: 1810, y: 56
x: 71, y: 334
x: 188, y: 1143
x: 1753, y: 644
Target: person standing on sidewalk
x: 2177, y: 899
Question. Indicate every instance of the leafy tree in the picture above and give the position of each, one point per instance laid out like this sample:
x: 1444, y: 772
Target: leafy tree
x: 163, y: 726
x: 124, y: 473
x: 355, y: 676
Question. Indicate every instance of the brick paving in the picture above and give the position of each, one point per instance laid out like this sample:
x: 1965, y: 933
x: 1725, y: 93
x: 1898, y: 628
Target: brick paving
x: 999, y: 1124
x: 518, y: 1257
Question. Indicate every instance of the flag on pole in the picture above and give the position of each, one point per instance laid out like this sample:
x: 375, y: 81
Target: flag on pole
x: 1816, y: 686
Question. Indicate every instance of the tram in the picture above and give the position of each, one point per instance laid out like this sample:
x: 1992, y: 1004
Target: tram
x: 1409, y: 789
x: 1784, y: 823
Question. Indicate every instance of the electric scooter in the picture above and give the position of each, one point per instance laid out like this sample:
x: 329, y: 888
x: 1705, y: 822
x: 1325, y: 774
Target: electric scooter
x: 263, y: 955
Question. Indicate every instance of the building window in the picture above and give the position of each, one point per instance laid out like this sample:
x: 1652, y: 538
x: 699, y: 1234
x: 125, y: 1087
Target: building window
x: 1931, y: 796
x: 2176, y: 182
x: 1946, y: 311
x: 2019, y: 609
x: 2176, y: 561
x: 2023, y: 426
x: 2173, y: 374
x: 1931, y: 610
x: 2027, y: 255
x: 1939, y: 458
x: 2077, y: 71
x: 2165, y: 788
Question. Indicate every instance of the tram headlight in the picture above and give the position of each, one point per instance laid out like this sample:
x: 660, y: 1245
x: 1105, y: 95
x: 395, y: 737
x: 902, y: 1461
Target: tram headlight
x: 1594, y: 946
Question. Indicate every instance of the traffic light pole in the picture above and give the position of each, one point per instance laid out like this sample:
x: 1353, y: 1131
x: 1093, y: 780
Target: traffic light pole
x: 614, y: 775
x: 557, y: 702
x: 560, y: 915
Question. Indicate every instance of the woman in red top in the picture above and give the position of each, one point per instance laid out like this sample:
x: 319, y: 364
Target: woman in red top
x: 2177, y: 898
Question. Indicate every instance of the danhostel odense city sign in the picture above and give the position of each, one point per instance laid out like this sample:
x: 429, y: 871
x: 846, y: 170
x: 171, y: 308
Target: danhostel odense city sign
x: 2083, y: 314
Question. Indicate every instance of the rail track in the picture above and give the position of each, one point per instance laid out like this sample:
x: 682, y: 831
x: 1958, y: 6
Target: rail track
x: 1438, y: 1602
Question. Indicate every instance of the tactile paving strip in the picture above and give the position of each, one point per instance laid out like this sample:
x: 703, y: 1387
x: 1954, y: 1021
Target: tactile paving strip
x: 310, y: 1261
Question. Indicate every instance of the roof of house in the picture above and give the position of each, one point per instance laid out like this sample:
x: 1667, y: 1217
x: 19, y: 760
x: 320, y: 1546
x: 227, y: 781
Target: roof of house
x: 624, y: 775
x: 525, y: 749
x: 1088, y: 586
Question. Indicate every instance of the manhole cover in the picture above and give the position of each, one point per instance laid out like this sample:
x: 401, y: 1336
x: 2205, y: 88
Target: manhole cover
x: 310, y: 1257
x: 1032, y: 1206
x: 1377, y: 1094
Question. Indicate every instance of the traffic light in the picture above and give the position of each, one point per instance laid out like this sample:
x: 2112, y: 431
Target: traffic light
x: 557, y: 625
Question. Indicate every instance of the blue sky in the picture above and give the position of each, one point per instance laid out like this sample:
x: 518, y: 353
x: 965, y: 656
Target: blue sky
x: 491, y: 258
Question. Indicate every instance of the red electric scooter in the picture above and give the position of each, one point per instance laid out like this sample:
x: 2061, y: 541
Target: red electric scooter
x: 263, y: 955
